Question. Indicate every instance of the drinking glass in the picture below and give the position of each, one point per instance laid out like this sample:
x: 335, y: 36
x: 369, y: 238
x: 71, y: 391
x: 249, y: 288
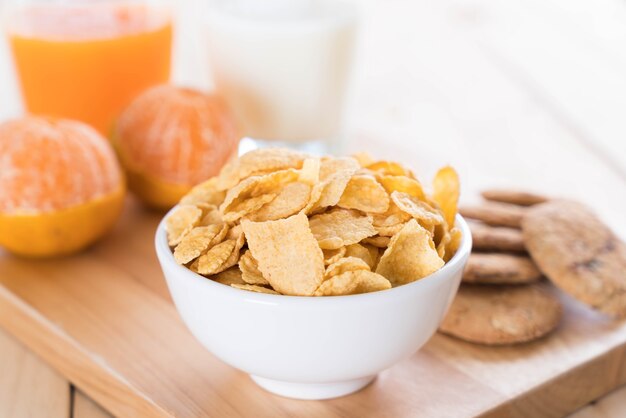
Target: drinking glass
x: 86, y: 60
x: 283, y: 66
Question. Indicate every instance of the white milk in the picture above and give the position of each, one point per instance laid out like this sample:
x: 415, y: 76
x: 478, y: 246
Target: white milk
x: 283, y: 65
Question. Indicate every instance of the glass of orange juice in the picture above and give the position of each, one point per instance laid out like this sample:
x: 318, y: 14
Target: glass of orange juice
x: 87, y: 60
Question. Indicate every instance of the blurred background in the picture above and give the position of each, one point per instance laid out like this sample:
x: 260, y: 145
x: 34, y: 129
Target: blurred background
x: 496, y: 88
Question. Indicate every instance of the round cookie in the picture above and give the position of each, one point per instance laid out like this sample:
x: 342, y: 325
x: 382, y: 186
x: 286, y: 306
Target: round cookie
x: 500, y: 315
x: 499, y: 268
x: 486, y: 237
x: 578, y: 253
x: 516, y: 197
x: 495, y: 213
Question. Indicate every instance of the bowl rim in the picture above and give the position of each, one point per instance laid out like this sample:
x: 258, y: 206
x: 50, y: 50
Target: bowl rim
x: 165, y: 255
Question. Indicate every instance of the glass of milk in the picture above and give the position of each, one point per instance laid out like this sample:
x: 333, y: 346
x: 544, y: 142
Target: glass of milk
x: 283, y: 67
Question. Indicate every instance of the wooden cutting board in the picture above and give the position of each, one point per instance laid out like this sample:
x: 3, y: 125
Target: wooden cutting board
x: 105, y: 321
x: 454, y: 76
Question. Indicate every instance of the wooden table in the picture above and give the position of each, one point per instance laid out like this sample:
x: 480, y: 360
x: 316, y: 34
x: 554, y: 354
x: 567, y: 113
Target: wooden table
x: 30, y: 388
x: 523, y: 92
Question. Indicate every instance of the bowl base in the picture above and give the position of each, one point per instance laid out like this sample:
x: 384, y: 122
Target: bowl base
x: 312, y: 390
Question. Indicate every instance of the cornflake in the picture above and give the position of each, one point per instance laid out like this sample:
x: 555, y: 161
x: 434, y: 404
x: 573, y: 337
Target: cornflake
x: 282, y: 222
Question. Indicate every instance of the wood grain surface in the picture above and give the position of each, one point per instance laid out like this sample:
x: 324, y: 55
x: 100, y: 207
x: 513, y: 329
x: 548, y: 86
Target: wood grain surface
x: 47, y: 394
x: 522, y: 93
x: 611, y: 406
x: 122, y: 343
x: 84, y: 407
x: 29, y: 387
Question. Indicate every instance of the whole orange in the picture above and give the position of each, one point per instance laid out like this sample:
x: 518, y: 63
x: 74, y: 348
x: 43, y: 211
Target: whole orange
x: 61, y: 187
x: 170, y: 139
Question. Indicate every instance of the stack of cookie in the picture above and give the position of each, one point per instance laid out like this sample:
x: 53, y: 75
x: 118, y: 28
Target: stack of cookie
x: 518, y: 238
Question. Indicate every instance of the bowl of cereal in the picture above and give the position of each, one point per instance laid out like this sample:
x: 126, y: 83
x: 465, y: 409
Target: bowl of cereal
x: 314, y: 274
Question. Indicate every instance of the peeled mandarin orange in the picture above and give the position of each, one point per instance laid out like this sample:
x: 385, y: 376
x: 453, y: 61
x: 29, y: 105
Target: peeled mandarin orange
x: 61, y: 187
x: 170, y: 139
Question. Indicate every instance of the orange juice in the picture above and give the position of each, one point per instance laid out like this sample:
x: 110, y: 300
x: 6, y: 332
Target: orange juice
x: 87, y: 62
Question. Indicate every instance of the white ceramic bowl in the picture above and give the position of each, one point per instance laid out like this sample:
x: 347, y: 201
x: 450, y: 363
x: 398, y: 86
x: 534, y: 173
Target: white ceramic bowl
x: 312, y: 347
